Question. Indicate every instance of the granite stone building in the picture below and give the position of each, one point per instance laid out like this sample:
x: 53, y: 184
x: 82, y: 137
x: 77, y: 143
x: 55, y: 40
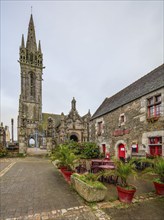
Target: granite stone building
x: 45, y: 129
x: 132, y: 121
x: 67, y: 127
x: 30, y: 100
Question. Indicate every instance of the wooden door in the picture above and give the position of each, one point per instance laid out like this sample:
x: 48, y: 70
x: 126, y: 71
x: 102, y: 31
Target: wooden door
x: 121, y: 151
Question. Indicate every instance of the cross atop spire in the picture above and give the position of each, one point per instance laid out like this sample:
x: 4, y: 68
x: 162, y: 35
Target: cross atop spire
x: 31, y: 40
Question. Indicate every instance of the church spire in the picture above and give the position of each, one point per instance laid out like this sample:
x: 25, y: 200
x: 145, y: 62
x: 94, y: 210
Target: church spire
x: 22, y: 44
x: 31, y: 40
x: 39, y: 47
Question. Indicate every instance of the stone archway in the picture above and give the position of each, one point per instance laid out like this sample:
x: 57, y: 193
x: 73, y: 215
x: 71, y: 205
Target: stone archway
x: 74, y: 137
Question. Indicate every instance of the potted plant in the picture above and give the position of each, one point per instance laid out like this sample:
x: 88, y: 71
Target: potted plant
x: 123, y: 171
x: 88, y: 187
x: 66, y: 159
x: 157, y: 169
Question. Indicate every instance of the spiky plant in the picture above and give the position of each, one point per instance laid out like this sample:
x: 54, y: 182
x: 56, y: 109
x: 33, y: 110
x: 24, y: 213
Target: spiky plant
x: 123, y: 171
x: 157, y: 168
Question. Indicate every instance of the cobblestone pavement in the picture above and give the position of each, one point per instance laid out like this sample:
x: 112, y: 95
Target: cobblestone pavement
x: 34, y: 189
x: 149, y: 207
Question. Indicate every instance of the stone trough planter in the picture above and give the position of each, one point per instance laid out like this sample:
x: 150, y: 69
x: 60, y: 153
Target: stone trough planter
x: 88, y: 192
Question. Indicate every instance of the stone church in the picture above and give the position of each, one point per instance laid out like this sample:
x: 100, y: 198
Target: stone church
x: 45, y: 129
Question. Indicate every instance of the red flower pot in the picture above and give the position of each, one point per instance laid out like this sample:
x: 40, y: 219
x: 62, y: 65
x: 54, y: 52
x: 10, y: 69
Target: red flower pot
x: 159, y: 187
x: 67, y: 174
x: 125, y: 195
x: 63, y: 168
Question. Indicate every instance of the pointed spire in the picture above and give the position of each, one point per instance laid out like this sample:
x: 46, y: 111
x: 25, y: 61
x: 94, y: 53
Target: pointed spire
x: 89, y: 113
x: 31, y: 40
x: 73, y: 104
x: 39, y: 47
x: 22, y: 44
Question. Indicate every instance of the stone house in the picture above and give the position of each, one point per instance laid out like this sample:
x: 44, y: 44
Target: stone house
x: 131, y: 122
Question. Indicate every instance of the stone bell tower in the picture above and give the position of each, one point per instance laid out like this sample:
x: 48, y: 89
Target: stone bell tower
x: 30, y: 100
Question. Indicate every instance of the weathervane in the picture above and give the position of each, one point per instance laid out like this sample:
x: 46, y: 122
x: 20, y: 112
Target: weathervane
x: 31, y: 9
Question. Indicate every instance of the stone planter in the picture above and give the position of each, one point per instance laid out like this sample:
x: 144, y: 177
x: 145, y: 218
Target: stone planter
x: 88, y: 192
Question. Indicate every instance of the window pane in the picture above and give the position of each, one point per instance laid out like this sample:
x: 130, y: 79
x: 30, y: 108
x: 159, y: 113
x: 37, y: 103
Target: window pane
x: 150, y: 101
x: 151, y: 110
x: 158, y: 98
x: 122, y: 118
x: 158, y: 109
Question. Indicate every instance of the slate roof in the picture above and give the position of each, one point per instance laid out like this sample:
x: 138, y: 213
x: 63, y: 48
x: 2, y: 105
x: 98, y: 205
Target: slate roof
x: 148, y: 83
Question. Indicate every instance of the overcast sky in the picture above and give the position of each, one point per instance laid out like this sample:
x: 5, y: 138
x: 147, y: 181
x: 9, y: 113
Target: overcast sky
x: 91, y: 50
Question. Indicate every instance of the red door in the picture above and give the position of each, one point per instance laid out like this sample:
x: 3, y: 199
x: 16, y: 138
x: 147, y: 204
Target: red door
x: 121, y: 151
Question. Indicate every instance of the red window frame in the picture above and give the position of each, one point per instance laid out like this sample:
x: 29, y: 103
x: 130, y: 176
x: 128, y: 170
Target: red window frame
x: 154, y: 106
x: 155, y: 146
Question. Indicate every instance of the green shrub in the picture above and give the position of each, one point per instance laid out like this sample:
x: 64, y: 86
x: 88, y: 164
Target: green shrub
x: 3, y: 152
x: 86, y: 150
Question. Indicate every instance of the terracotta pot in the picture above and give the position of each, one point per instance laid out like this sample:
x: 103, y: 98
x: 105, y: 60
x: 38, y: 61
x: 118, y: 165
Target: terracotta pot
x: 125, y: 195
x: 63, y: 168
x: 67, y: 174
x: 159, y: 187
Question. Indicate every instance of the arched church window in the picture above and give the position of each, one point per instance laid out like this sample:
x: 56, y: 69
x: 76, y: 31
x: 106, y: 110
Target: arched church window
x: 32, y: 84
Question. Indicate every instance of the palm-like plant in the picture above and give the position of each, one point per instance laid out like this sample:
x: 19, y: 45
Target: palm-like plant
x: 157, y: 168
x: 123, y: 171
x: 65, y: 156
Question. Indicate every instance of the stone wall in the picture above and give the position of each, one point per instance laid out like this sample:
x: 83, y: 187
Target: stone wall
x: 135, y: 129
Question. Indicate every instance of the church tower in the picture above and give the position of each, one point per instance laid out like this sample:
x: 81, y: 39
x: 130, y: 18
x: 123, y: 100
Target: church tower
x: 30, y: 100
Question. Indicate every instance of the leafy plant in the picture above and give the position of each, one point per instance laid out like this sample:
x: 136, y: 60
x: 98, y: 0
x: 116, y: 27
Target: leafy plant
x: 90, y: 179
x: 157, y: 167
x: 3, y: 152
x: 90, y: 150
x: 65, y: 156
x: 123, y: 171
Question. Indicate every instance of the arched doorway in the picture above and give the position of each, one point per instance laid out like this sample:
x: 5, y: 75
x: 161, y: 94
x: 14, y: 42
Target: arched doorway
x: 73, y: 137
x: 31, y: 142
x: 121, y: 152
